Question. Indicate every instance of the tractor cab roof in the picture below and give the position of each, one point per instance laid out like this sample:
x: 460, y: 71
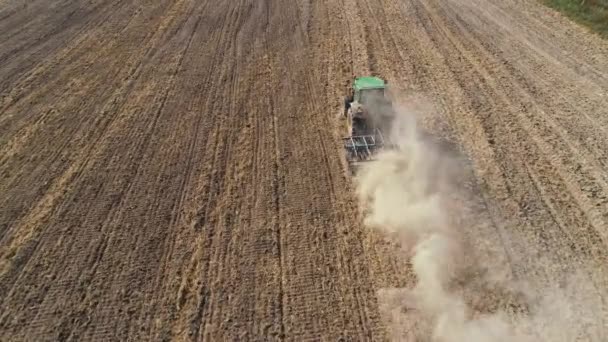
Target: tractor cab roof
x: 369, y: 82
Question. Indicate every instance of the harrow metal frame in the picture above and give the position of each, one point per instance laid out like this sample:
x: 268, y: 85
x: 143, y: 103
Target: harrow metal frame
x: 362, y: 147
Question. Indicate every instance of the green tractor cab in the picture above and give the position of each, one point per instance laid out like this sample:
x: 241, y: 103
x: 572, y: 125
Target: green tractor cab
x: 364, y: 110
x: 365, y: 87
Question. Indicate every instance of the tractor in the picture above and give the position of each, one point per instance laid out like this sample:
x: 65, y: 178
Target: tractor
x: 368, y: 112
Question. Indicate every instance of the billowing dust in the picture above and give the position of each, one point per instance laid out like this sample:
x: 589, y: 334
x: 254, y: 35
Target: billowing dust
x: 461, y: 293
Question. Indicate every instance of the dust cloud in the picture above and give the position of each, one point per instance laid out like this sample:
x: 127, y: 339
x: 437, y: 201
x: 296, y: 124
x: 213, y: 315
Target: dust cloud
x: 458, y: 294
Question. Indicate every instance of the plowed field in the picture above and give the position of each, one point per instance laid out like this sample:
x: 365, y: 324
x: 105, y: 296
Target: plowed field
x: 172, y: 170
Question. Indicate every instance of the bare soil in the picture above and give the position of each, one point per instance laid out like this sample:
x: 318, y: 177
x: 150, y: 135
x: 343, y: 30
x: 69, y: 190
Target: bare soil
x: 171, y: 169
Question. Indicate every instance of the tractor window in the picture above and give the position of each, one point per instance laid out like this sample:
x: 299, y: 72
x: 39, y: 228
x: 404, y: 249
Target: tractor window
x: 371, y: 95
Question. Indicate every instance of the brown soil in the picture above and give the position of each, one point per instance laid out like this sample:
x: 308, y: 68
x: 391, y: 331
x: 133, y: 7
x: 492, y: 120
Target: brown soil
x: 171, y: 169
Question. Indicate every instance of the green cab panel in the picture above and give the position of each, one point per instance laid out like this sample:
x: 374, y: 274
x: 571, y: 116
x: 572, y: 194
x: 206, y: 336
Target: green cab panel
x: 366, y: 86
x: 368, y: 82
